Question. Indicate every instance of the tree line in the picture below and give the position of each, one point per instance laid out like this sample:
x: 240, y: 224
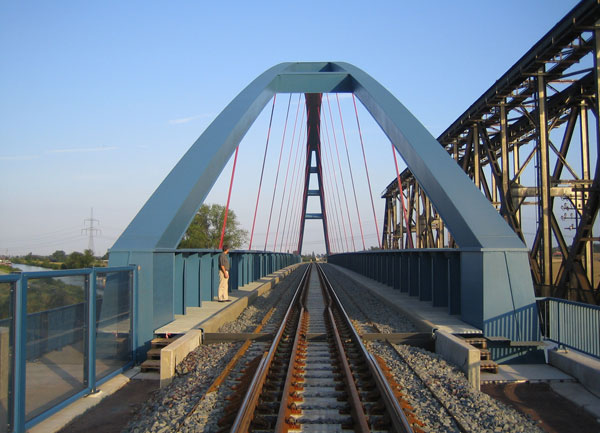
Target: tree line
x: 61, y: 260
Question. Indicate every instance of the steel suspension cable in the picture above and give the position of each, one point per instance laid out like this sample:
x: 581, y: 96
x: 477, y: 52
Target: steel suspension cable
x: 331, y: 171
x: 351, y: 175
x: 293, y: 200
x: 277, y: 175
x: 326, y: 185
x: 228, y: 198
x: 367, y: 171
x: 301, y: 180
x: 302, y: 223
x: 401, y: 194
x: 262, y: 172
x: 324, y: 202
x: 336, y: 189
x: 286, y: 174
x: 293, y: 187
x: 341, y: 175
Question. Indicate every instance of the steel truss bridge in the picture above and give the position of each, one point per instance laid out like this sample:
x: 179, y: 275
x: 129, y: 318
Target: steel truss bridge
x: 530, y: 144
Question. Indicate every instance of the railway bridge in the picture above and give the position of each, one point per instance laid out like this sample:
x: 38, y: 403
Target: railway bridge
x: 458, y: 242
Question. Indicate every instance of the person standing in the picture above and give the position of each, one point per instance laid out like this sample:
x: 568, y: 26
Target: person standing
x: 224, y: 275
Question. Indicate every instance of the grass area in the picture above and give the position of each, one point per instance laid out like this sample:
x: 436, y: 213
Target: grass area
x: 5, y: 269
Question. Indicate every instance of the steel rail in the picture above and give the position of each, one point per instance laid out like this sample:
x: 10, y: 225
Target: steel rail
x: 357, y: 411
x: 285, y: 410
x: 460, y: 424
x: 284, y: 420
x: 343, y: 340
x: 246, y: 413
x: 230, y: 365
x: 395, y: 412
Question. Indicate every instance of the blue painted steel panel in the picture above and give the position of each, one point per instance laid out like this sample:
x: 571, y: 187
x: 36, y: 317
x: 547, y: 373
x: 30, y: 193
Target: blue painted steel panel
x: 405, y: 275
x: 425, y: 276
x: 178, y: 284
x: 206, y: 277
x: 145, y: 301
x: 163, y: 289
x: 192, y: 295
x: 234, y: 271
x: 441, y: 281
x: 414, y: 273
x: 471, y: 271
x: 454, y: 294
x: 397, y: 267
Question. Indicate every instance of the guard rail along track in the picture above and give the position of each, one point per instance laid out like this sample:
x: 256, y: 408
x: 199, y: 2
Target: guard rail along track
x: 317, y: 376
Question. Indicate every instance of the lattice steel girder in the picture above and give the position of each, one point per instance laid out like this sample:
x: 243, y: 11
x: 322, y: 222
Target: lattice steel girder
x: 507, y: 117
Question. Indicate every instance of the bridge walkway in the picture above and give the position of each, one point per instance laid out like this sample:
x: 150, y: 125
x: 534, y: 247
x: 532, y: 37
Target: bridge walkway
x: 210, y: 317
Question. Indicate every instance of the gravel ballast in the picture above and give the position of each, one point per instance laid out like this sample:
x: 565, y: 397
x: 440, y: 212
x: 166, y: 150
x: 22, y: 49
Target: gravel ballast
x: 433, y: 387
x: 167, y: 408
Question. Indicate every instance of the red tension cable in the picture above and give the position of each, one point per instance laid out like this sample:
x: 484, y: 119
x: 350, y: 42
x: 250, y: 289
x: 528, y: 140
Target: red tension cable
x: 262, y: 172
x: 351, y: 175
x: 293, y: 187
x: 331, y: 177
x: 367, y: 171
x: 286, y: 175
x: 228, y: 198
x: 341, y: 175
x: 277, y: 175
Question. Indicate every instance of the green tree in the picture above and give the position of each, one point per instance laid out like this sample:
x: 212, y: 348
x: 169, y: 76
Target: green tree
x: 58, y: 256
x: 205, y: 229
x: 77, y: 260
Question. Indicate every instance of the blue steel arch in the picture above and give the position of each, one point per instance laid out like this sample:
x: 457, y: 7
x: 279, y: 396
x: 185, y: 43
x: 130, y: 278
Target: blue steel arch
x: 495, y: 278
x: 163, y: 220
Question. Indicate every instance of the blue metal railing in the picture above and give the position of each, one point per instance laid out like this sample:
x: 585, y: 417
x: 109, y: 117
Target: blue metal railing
x: 429, y: 274
x: 50, y: 358
x: 571, y: 324
x: 196, y: 273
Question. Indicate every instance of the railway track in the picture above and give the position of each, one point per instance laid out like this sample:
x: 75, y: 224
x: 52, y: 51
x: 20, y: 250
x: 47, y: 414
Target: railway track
x: 294, y: 377
x: 369, y: 326
x: 317, y: 376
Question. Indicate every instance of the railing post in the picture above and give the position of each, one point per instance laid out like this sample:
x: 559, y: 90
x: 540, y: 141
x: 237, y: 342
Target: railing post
x: 19, y: 386
x: 134, y: 311
x: 558, y: 321
x: 91, y: 334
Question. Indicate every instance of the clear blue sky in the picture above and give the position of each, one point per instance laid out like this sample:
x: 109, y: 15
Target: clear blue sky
x: 101, y: 99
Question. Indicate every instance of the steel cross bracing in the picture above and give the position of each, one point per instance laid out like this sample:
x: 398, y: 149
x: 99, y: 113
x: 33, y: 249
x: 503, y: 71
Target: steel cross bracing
x: 530, y: 141
x: 313, y: 147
